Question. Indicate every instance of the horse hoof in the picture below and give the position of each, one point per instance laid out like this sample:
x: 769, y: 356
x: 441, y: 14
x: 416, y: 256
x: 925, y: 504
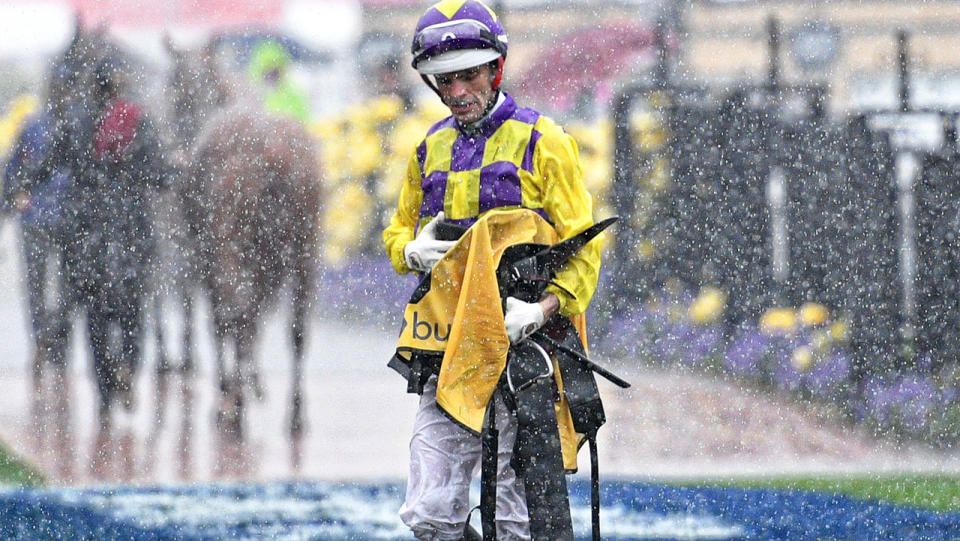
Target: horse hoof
x: 163, y: 366
x: 186, y: 366
x: 127, y: 399
x: 257, y: 387
x: 297, y: 427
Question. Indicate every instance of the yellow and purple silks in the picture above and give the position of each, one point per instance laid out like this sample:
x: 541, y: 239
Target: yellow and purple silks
x: 461, y: 316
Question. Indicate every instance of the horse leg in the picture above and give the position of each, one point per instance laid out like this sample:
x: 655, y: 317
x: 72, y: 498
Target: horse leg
x: 63, y: 432
x: 221, y: 332
x: 57, y: 339
x: 163, y: 360
x: 98, y: 327
x: 130, y: 327
x: 35, y: 255
x: 247, y: 369
x: 100, y: 457
x: 186, y: 365
x: 298, y: 339
x: 185, y: 442
x: 230, y: 410
x: 235, y: 398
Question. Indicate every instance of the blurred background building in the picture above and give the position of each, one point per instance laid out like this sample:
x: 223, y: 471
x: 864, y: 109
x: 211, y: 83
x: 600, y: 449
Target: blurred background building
x: 849, y: 45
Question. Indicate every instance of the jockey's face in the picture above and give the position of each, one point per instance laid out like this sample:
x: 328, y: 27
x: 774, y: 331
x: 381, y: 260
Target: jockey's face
x: 467, y: 92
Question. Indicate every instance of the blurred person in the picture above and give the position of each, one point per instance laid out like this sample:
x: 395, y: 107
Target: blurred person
x: 269, y: 69
x: 490, y: 158
x: 40, y: 181
x: 18, y: 111
x: 35, y: 194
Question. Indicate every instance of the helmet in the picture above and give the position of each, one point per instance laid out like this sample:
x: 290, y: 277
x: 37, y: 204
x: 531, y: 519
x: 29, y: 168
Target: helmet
x: 457, y: 34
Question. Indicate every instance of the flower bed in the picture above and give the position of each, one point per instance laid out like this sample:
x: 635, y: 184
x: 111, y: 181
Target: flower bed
x: 805, y: 351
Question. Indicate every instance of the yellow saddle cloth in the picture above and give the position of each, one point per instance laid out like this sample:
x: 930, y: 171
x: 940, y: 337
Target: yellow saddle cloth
x: 462, y: 317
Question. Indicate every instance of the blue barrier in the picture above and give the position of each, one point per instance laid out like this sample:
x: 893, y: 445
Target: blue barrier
x: 342, y: 512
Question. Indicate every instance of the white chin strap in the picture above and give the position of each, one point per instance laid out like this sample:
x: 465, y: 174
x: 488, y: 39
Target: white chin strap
x: 456, y: 60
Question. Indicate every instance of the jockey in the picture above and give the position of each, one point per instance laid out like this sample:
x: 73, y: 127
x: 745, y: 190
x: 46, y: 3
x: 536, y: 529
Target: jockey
x: 490, y: 155
x: 267, y: 69
x: 35, y: 194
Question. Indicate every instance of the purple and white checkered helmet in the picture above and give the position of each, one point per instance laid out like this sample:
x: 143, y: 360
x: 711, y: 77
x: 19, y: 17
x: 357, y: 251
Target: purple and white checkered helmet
x: 457, y: 34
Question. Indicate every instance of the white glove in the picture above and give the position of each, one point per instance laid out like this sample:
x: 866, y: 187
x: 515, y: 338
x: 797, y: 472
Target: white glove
x: 522, y: 318
x: 423, y: 252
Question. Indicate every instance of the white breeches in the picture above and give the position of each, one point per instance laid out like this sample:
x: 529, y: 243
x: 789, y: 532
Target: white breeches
x: 444, y: 457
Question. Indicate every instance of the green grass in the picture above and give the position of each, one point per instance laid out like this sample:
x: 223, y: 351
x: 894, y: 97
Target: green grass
x: 15, y: 472
x: 937, y: 492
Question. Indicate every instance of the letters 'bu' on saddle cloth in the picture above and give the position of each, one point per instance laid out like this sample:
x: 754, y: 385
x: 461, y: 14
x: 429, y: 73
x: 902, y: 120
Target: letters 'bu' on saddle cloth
x: 461, y: 316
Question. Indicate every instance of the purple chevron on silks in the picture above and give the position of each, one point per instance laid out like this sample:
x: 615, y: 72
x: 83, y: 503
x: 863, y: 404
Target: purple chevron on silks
x: 499, y: 184
x: 527, y: 163
x: 467, y: 153
x: 448, y: 122
x: 434, y: 187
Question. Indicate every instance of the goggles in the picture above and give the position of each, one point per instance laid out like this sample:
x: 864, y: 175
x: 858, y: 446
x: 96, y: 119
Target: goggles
x: 463, y: 34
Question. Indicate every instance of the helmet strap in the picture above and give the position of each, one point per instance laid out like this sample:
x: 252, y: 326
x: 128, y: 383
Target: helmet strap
x: 426, y: 79
x: 499, y: 76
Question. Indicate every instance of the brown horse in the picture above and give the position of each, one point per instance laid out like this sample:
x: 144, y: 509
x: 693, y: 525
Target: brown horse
x: 251, y: 200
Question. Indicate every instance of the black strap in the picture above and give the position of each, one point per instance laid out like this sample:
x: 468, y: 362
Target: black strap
x: 537, y: 454
x: 558, y: 254
x: 594, y: 487
x: 489, y: 443
x: 608, y: 375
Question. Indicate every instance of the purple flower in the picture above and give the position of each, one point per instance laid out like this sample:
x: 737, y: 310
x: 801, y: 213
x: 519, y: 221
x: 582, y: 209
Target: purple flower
x: 914, y: 397
x: 669, y: 343
x: 746, y: 353
x: 828, y: 375
x: 781, y: 368
x: 904, y: 403
x: 701, y: 343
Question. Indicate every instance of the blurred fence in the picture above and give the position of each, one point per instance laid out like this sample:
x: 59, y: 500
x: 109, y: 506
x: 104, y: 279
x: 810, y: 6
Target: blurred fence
x: 756, y: 191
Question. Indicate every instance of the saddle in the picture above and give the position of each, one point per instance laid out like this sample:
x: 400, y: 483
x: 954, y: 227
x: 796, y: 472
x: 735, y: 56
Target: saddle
x: 529, y: 389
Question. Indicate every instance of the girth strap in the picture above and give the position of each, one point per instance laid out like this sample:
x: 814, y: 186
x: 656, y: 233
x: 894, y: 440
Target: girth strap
x: 594, y: 488
x: 529, y: 390
x: 489, y: 445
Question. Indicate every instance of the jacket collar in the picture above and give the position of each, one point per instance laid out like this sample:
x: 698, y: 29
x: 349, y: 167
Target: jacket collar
x: 502, y: 110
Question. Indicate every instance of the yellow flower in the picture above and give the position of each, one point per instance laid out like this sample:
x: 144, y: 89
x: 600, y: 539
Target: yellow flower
x: 813, y: 313
x: 645, y: 249
x: 385, y: 108
x: 778, y: 321
x: 343, y: 223
x: 820, y: 340
x: 801, y: 359
x: 708, y: 306
x: 839, y: 331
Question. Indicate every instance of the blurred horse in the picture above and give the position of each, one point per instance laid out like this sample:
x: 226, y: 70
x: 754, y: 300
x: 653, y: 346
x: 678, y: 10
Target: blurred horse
x: 194, y: 97
x: 109, y: 149
x: 48, y: 159
x: 251, y: 200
